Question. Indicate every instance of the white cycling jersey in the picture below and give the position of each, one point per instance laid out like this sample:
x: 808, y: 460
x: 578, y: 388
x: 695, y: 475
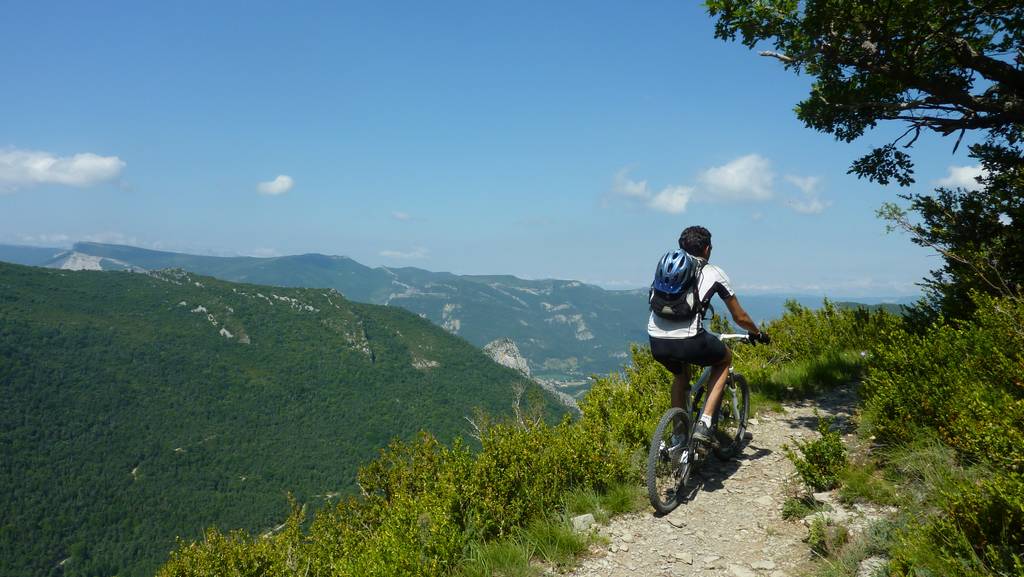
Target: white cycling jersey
x: 712, y: 280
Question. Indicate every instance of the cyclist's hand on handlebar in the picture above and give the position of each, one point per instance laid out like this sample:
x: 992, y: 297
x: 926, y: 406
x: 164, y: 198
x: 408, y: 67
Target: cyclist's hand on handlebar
x: 761, y: 337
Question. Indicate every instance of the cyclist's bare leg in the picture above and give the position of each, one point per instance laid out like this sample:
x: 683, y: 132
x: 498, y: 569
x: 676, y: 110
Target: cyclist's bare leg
x: 681, y: 387
x: 719, y: 373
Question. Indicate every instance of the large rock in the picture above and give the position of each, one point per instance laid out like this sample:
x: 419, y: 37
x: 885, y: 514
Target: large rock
x: 505, y: 352
x: 872, y: 566
x: 582, y: 522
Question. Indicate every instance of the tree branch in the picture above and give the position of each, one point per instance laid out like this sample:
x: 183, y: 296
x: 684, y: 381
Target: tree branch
x: 991, y: 68
x: 782, y: 57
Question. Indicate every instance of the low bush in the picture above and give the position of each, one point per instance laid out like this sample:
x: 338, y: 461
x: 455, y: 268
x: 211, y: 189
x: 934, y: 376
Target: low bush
x: 826, y: 538
x: 800, y: 507
x: 977, y: 531
x: 820, y: 461
x: 812, y: 349
x: 963, y: 380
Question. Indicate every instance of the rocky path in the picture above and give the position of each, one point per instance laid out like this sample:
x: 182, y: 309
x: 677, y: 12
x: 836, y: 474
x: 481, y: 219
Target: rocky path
x: 733, y: 526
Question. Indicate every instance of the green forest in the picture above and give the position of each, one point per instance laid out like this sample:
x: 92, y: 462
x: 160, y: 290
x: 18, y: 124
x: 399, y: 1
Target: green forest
x: 140, y: 408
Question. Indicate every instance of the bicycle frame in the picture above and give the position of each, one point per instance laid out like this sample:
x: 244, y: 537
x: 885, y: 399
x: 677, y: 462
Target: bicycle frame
x: 705, y: 375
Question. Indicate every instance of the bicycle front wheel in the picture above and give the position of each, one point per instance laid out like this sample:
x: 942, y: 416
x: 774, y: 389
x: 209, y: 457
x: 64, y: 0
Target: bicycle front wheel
x: 668, y: 461
x: 732, y: 417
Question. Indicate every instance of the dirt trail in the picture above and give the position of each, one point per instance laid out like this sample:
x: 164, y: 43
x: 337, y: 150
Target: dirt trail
x: 733, y: 526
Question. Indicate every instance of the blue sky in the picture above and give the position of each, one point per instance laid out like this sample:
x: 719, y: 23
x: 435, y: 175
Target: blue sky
x: 540, y: 139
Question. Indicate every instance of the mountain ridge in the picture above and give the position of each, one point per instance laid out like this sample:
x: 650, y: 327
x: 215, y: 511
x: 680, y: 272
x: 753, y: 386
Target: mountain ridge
x: 567, y: 330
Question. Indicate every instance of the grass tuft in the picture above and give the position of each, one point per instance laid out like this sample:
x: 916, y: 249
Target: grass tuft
x: 583, y: 500
x: 554, y: 541
x: 798, y: 508
x: 505, y: 558
x: 860, y: 483
x: 623, y: 498
x: 617, y: 499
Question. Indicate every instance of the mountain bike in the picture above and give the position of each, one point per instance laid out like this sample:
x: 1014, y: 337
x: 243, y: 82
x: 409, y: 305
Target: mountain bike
x: 674, y: 454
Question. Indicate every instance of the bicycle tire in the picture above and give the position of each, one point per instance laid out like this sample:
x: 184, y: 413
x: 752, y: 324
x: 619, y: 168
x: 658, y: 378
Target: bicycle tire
x: 667, y: 471
x: 732, y: 417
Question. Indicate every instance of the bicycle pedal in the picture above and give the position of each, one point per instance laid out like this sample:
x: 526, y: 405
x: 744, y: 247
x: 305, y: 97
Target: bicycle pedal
x: 748, y: 436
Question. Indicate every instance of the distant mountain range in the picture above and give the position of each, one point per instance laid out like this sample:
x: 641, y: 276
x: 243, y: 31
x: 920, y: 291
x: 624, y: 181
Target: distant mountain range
x: 140, y: 407
x: 565, y: 329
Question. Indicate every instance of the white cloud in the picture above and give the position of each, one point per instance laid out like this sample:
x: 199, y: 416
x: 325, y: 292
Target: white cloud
x: 963, y: 177
x: 1005, y: 219
x: 806, y: 184
x: 280, y: 185
x: 415, y: 254
x: 30, y: 167
x: 632, y: 188
x: 810, y: 202
x: 398, y: 215
x: 671, y: 199
x: 45, y: 239
x: 112, y: 238
x: 746, y: 178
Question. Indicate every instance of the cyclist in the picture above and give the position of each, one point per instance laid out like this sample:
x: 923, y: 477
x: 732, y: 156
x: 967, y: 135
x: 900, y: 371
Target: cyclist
x: 677, y: 344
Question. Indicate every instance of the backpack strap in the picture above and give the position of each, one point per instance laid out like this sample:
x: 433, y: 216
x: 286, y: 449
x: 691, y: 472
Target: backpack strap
x: 696, y: 292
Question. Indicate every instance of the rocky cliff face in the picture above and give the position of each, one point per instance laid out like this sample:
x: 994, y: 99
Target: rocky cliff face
x: 505, y: 352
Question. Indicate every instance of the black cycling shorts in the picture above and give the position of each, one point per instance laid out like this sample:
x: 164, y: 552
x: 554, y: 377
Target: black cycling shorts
x: 704, y: 349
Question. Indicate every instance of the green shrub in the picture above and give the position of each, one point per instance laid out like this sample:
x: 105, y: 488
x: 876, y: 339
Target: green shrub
x: 523, y: 471
x: 626, y: 407
x: 238, y: 554
x: 846, y: 561
x: 965, y: 381
x: 826, y: 538
x: 816, y: 348
x: 979, y: 530
x: 820, y: 461
x: 800, y: 507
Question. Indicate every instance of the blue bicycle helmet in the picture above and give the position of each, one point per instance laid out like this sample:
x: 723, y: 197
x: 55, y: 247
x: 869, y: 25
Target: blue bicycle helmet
x: 675, y: 271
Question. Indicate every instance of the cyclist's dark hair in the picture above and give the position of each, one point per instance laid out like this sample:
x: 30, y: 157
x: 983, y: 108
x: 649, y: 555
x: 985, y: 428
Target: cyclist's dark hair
x: 695, y: 239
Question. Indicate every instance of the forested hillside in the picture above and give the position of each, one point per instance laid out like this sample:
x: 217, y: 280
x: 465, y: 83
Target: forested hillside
x: 567, y: 330
x: 141, y: 407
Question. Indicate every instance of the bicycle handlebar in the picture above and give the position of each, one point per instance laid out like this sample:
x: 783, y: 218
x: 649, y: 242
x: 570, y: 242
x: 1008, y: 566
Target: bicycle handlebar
x: 739, y: 337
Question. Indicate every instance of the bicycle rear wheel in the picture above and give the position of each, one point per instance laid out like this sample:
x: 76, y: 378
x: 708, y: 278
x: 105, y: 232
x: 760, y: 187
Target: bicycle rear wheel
x: 668, y: 462
x: 732, y: 417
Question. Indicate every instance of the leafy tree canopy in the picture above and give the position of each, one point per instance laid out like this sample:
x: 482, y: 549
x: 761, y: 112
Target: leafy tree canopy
x: 944, y: 66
